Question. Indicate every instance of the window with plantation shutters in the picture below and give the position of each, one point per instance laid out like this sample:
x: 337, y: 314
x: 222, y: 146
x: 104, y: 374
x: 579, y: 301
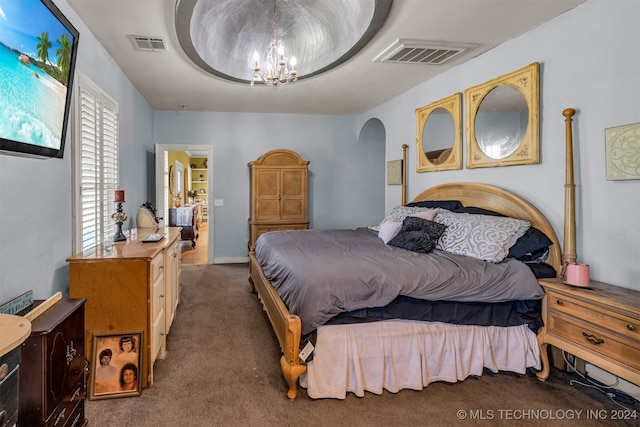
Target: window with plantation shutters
x: 96, y: 164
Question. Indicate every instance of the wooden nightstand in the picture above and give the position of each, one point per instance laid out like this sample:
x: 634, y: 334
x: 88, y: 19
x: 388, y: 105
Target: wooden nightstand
x: 599, y: 324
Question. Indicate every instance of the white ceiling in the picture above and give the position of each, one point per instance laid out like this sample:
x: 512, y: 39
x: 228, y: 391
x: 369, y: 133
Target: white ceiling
x: 169, y: 80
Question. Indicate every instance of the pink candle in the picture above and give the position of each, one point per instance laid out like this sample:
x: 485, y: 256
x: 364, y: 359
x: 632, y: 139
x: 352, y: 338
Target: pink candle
x: 119, y: 196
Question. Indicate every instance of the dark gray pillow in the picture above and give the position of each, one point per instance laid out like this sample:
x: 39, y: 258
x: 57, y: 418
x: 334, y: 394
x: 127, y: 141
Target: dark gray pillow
x: 418, y: 235
x: 450, y: 205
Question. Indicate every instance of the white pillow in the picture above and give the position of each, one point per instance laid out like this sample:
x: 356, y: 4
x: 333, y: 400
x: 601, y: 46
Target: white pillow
x: 389, y: 230
x: 484, y: 237
x: 428, y: 214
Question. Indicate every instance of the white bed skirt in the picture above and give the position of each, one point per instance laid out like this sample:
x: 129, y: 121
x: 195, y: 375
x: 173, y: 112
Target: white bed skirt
x: 399, y: 354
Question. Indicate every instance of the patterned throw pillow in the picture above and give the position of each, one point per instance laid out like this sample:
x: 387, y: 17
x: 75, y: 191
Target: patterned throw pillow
x: 480, y: 236
x: 418, y: 235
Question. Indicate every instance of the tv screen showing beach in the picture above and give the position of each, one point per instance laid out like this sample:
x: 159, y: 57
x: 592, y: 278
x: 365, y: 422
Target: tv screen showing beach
x: 37, y: 50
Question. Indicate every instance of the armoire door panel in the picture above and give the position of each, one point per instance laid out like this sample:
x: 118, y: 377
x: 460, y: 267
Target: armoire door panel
x: 293, y: 209
x: 293, y: 183
x: 267, y: 209
x: 267, y: 183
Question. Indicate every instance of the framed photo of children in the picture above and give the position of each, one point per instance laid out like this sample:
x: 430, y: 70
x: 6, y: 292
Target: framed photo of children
x: 115, y: 368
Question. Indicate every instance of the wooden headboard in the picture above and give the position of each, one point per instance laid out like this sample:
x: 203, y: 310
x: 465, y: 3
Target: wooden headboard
x: 498, y: 200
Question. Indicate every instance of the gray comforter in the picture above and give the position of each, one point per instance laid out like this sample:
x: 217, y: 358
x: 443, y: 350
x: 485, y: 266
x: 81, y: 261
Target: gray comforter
x: 321, y: 273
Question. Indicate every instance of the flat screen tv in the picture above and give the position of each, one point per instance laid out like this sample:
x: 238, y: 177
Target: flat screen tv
x: 38, y: 48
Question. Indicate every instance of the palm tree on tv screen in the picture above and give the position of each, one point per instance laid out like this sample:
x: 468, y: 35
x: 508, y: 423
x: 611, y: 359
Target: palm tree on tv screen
x: 43, y: 47
x: 63, y: 54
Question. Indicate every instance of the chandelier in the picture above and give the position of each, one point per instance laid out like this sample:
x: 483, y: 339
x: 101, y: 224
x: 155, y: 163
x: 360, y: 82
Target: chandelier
x: 276, y: 70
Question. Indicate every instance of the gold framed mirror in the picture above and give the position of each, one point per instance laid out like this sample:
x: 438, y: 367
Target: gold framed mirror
x: 503, y: 120
x: 439, y: 135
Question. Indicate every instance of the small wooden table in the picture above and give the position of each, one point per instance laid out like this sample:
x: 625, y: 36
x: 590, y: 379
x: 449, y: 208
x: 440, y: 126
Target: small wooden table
x: 599, y: 324
x: 15, y: 329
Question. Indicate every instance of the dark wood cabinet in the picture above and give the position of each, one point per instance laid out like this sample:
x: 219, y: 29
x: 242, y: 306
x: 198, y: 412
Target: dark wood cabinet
x: 53, y: 369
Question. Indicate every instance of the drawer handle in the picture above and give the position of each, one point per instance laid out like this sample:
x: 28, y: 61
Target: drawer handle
x: 631, y: 327
x: 592, y: 339
x: 559, y: 302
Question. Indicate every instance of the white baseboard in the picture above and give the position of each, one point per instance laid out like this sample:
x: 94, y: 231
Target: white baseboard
x: 231, y: 260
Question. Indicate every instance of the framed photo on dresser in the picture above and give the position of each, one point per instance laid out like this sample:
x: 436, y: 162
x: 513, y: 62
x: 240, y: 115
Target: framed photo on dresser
x: 115, y: 368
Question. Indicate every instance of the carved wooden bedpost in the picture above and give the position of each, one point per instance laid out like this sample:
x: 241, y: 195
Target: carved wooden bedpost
x: 404, y: 174
x: 569, y: 244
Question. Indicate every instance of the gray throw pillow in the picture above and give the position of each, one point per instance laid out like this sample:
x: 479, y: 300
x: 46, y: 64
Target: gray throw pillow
x: 418, y: 235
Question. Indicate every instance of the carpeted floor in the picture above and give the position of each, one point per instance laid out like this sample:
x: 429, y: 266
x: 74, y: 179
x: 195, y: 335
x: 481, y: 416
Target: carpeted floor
x: 222, y: 369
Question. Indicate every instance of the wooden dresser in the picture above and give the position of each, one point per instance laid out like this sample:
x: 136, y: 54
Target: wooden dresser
x: 53, y: 370
x: 599, y: 324
x: 134, y: 287
x: 278, y: 195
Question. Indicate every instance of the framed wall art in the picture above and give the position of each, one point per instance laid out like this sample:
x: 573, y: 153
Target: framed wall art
x: 394, y: 172
x: 116, y: 368
x: 623, y: 152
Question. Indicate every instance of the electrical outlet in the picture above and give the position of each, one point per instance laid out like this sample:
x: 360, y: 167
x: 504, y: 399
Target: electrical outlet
x: 218, y: 202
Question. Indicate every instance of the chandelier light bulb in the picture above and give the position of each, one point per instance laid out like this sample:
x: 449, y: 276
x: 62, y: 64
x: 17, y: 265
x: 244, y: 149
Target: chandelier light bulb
x: 276, y: 70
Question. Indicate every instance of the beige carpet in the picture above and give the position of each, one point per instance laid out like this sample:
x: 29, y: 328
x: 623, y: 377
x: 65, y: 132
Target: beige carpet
x: 222, y: 369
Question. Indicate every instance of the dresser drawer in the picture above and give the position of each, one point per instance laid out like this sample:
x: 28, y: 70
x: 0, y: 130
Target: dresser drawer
x: 157, y: 335
x: 595, y: 339
x: 77, y: 416
x: 9, y: 365
x: 157, y: 296
x: 607, y: 319
x: 156, y: 266
x: 296, y: 227
x: 63, y: 414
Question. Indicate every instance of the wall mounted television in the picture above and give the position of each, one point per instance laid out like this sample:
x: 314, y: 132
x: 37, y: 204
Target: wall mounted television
x: 38, y: 49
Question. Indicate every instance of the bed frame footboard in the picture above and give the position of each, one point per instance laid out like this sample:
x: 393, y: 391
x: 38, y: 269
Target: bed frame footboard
x: 286, y: 326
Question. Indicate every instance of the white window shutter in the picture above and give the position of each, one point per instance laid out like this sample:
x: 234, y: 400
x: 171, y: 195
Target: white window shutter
x: 96, y: 160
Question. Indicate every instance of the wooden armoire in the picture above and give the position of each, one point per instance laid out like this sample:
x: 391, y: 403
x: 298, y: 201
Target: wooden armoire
x: 278, y: 193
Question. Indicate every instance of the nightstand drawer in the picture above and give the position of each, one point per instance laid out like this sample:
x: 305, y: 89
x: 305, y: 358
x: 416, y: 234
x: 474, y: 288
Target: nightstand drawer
x: 595, y: 339
x: 607, y: 319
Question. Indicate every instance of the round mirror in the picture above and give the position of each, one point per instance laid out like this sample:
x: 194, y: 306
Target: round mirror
x: 438, y: 136
x: 501, y: 121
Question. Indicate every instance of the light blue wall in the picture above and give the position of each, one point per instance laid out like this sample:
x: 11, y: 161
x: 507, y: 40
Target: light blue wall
x: 346, y: 172
x: 589, y: 57
x: 35, y: 194
x: 589, y: 61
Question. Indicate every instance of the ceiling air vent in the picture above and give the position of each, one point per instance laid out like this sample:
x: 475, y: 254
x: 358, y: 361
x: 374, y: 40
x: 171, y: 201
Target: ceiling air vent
x: 148, y: 44
x: 405, y: 51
